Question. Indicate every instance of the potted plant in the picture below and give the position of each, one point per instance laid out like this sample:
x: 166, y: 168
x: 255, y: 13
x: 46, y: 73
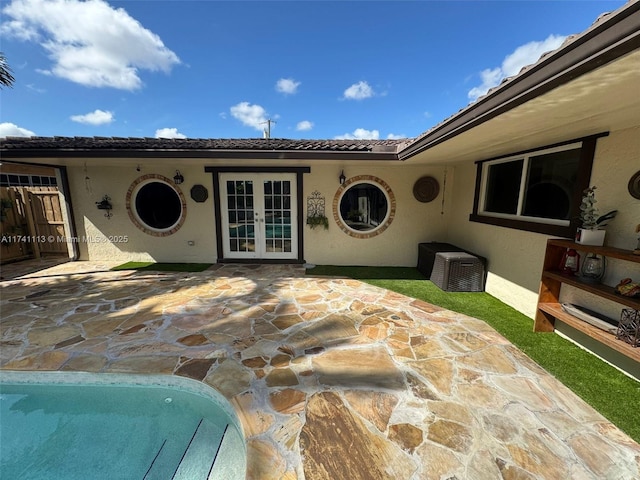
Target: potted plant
x: 592, y: 231
x: 315, y: 220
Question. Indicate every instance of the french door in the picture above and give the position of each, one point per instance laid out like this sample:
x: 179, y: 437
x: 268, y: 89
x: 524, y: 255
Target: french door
x: 259, y: 215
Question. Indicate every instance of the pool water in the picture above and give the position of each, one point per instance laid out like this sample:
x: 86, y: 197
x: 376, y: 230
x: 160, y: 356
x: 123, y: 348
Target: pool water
x: 116, y: 431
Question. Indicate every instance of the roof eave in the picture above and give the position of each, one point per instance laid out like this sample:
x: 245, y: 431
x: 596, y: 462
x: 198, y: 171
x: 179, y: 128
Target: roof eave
x: 8, y: 153
x: 606, y: 41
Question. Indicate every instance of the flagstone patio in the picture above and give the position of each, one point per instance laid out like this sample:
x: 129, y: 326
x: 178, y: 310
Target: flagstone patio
x: 331, y: 378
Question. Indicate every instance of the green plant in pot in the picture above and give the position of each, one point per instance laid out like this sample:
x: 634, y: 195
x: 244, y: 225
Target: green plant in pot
x: 317, y: 220
x: 592, y: 230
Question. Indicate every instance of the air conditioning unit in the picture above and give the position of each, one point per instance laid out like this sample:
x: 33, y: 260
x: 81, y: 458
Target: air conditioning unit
x: 458, y: 272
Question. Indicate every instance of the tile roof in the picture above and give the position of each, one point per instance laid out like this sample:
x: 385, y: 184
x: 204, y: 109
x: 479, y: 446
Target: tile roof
x: 193, y: 144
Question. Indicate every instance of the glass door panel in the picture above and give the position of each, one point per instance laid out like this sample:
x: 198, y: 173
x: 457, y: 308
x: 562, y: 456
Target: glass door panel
x: 258, y: 215
x: 277, y: 216
x: 241, y: 217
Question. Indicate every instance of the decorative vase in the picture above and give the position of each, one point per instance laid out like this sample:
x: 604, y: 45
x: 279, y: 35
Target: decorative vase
x: 585, y: 236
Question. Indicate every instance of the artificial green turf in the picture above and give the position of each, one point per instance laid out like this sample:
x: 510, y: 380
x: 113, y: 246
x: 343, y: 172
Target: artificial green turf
x: 163, y: 267
x: 610, y: 392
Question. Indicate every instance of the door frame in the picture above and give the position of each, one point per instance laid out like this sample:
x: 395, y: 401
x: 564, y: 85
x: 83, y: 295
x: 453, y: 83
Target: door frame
x: 215, y: 173
x: 258, y: 219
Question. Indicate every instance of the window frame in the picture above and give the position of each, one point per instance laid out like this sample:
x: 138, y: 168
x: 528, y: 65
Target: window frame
x: 132, y: 210
x: 560, y: 228
x: 383, y: 187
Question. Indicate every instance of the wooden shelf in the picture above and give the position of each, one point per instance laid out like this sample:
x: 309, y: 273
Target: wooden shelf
x: 549, y: 308
x: 599, y: 289
x: 610, y: 252
x: 594, y: 332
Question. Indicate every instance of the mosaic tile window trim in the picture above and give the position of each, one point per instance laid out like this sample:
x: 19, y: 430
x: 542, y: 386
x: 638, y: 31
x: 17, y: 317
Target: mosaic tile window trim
x: 132, y: 191
x: 391, y: 206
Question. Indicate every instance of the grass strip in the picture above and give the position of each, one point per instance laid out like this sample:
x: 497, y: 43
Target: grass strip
x: 612, y: 393
x: 163, y: 267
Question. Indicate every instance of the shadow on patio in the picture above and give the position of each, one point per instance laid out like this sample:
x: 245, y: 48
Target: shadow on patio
x: 331, y: 378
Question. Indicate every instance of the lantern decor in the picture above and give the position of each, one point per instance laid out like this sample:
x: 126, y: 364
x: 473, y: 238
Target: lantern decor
x: 629, y: 327
x: 593, y: 268
x: 570, y: 263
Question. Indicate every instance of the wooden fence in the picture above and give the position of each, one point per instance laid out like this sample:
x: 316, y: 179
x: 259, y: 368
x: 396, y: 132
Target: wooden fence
x: 31, y: 224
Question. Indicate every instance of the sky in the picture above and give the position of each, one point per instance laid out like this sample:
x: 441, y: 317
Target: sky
x: 223, y: 69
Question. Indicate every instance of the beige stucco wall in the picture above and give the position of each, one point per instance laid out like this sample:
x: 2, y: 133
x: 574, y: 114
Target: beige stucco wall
x: 128, y: 243
x: 615, y: 162
x: 414, y: 221
x: 516, y: 257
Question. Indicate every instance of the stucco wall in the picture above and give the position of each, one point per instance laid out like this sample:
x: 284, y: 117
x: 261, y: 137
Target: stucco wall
x: 516, y: 257
x: 414, y: 221
x: 128, y: 243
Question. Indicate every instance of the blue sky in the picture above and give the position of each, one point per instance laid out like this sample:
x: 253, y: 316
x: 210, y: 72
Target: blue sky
x: 220, y: 69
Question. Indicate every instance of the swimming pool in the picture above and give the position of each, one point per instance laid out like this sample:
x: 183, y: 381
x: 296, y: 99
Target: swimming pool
x: 75, y: 426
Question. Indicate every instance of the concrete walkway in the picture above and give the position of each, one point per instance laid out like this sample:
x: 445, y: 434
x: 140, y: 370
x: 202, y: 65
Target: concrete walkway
x: 331, y: 378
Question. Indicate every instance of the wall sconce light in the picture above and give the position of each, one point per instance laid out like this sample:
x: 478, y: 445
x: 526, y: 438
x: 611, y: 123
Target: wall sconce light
x: 178, y: 178
x: 105, y: 204
x: 342, y: 177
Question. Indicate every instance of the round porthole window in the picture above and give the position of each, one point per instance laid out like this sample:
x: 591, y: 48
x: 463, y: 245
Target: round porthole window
x: 365, y: 206
x: 156, y: 205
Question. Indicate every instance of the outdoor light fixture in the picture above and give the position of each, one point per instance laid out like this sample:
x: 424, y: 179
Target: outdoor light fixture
x: 105, y: 204
x: 342, y: 177
x: 178, y: 178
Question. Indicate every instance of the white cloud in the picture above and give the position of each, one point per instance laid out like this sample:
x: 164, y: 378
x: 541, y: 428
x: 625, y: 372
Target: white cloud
x: 393, y: 136
x: 250, y: 115
x: 288, y: 86
x: 358, y: 91
x: 12, y: 130
x: 304, y: 125
x: 523, y: 55
x: 490, y: 78
x: 97, y: 117
x: 90, y: 43
x: 33, y: 88
x: 169, y: 133
x: 360, y: 134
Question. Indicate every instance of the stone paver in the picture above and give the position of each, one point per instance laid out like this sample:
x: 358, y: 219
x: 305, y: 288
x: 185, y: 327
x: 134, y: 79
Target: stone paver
x: 330, y: 378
